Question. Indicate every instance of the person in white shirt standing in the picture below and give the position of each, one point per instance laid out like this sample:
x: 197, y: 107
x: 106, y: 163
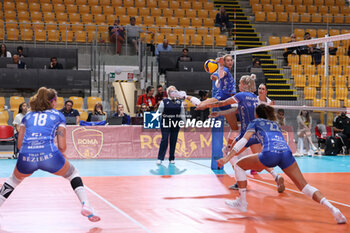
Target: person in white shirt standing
x: 22, y: 111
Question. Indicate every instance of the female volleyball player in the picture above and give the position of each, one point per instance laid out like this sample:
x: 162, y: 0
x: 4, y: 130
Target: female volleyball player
x: 275, y: 152
x: 38, y: 151
x: 247, y: 101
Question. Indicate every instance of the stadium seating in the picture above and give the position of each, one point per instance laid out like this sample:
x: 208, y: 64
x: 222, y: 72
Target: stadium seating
x: 15, y: 101
x: 91, y: 102
x: 4, y: 117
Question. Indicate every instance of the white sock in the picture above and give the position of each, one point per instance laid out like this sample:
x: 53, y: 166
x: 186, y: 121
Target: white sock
x: 80, y: 191
x: 2, y: 200
x: 243, y: 194
x: 273, y: 173
x: 326, y: 203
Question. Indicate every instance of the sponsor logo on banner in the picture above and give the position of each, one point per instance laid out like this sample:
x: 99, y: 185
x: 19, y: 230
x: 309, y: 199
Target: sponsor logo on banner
x: 151, y: 120
x: 87, y: 142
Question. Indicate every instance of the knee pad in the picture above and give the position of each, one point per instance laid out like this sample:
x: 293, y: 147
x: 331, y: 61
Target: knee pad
x: 309, y: 191
x: 240, y: 173
x: 71, y: 173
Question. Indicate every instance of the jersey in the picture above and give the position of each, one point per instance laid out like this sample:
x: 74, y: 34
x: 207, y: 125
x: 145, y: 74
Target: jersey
x: 269, y: 134
x: 247, y: 102
x: 40, y: 131
x: 227, y: 83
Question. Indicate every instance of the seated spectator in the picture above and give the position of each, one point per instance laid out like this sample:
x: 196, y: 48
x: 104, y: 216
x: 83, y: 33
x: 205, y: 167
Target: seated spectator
x: 222, y: 21
x: 133, y: 33
x: 280, y: 117
x: 68, y: 111
x: 4, y: 52
x: 256, y: 63
x: 291, y: 50
x: 311, y: 50
x: 331, y: 49
x: 120, y: 113
x: 22, y: 111
x: 117, y: 35
x: 20, y: 52
x: 147, y: 99
x: 97, y: 114
x: 143, y: 109
x: 341, y: 127
x: 164, y: 47
x: 183, y: 57
x: 20, y: 64
x: 161, y: 94
x: 54, y: 64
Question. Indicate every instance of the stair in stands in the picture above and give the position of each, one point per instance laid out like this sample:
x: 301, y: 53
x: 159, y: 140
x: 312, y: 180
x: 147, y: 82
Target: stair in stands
x: 244, y: 36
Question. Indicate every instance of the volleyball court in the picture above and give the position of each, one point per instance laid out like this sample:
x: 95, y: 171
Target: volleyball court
x: 139, y: 196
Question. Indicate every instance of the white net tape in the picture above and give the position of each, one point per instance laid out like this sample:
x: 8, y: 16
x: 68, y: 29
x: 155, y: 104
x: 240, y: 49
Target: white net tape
x: 293, y: 44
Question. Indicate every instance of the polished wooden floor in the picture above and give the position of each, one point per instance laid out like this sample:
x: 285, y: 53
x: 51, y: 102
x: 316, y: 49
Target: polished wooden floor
x: 173, y: 204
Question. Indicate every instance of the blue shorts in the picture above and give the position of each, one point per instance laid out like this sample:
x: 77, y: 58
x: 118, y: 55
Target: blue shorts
x: 51, y: 162
x: 252, y: 140
x: 282, y: 159
x: 223, y: 96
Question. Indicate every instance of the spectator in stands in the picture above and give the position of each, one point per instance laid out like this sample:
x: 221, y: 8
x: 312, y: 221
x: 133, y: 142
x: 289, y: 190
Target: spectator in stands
x: 349, y: 51
x: 54, y: 64
x: 332, y: 50
x: 262, y: 94
x: 117, y: 35
x: 341, y: 127
x: 133, y: 33
x: 280, y: 117
x: 292, y: 50
x: 68, y: 111
x: 147, y: 99
x: 20, y: 64
x: 256, y: 63
x: 22, y: 111
x: 183, y: 57
x: 143, y: 109
x: 164, y: 47
x: 311, y: 50
x: 4, y: 52
x: 161, y: 94
x: 20, y: 52
x: 120, y: 113
x: 222, y: 21
x: 97, y: 114
x: 304, y: 121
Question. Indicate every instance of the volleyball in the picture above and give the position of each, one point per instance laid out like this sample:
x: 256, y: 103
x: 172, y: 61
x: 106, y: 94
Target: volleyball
x: 210, y: 66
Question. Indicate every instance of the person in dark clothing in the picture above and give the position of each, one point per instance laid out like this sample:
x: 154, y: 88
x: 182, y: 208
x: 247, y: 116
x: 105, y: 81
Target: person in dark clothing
x: 98, y: 114
x: 16, y: 60
x: 54, y: 64
x: 68, y: 111
x: 120, y: 113
x: 222, y: 21
x: 20, y: 52
x: 117, y: 35
x: 341, y: 127
x: 161, y: 94
x: 183, y: 57
x: 291, y: 50
x: 316, y: 53
x: 172, y: 111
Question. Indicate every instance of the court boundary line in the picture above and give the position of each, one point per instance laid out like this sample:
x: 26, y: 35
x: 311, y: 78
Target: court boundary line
x: 118, y: 210
x: 264, y: 182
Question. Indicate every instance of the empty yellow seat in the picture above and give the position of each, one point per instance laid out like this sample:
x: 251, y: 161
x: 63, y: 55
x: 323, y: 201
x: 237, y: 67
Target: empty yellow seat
x: 221, y: 40
x: 310, y: 93
x: 77, y: 102
x: 15, y: 101
x: 313, y: 80
x: 2, y: 103
x: 4, y: 117
x: 300, y: 80
x: 324, y: 92
x: 274, y: 40
x: 260, y: 16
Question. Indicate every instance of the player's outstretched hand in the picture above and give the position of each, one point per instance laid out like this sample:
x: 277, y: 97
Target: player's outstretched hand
x: 201, y: 106
x: 221, y: 162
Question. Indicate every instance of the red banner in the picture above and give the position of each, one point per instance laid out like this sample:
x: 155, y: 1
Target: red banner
x: 131, y: 142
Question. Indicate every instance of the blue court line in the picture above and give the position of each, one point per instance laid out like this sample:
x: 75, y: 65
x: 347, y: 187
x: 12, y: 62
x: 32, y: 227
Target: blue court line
x: 147, y: 167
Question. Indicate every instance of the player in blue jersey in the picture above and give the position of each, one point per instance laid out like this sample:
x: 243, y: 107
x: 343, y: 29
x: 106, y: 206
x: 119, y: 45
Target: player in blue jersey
x: 275, y: 152
x: 247, y: 101
x: 36, y: 137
